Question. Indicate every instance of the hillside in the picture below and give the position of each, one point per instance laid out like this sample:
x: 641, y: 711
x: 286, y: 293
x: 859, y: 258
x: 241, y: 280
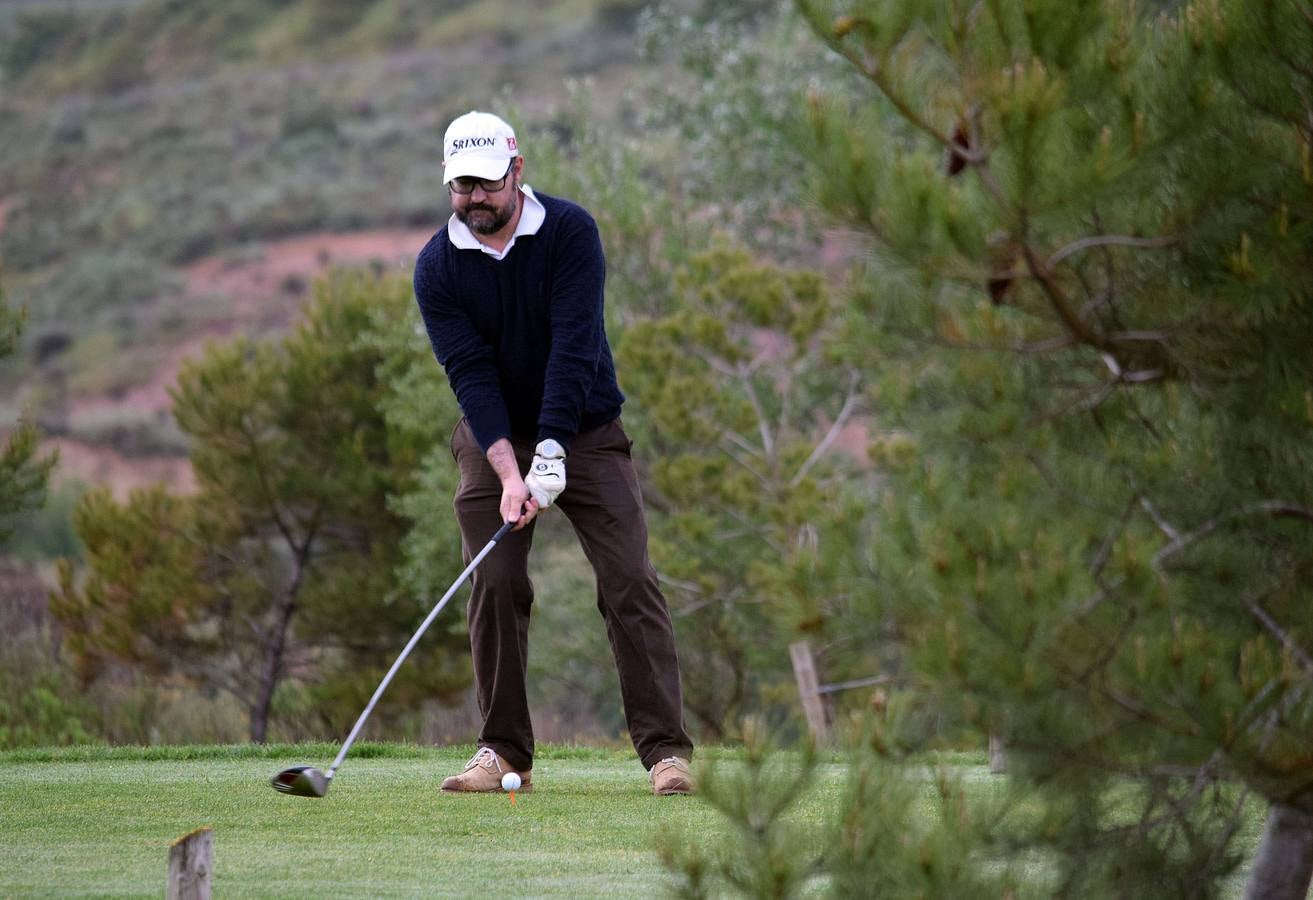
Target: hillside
x: 176, y: 171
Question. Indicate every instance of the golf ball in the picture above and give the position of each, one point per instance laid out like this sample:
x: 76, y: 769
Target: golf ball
x: 510, y: 782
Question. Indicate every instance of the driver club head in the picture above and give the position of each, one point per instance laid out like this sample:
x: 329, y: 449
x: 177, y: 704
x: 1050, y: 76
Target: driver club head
x: 303, y: 781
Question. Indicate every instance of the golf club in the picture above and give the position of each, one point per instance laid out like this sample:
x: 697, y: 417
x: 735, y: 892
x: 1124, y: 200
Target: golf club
x: 307, y: 781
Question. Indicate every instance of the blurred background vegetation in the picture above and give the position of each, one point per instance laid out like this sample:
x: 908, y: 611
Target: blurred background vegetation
x: 177, y: 173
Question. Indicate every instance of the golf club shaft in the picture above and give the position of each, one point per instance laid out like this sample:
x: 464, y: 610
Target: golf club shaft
x: 433, y: 614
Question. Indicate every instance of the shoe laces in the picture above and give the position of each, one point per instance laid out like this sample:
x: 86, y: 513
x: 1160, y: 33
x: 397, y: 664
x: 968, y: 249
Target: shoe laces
x: 671, y: 760
x: 486, y: 758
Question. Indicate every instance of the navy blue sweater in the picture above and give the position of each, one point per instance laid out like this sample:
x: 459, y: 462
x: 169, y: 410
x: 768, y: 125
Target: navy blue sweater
x: 522, y: 338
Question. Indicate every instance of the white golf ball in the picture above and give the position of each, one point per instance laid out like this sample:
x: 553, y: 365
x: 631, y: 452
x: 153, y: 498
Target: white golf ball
x: 510, y: 782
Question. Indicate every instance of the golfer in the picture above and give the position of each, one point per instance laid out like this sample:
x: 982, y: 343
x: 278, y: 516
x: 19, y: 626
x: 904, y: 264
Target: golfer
x: 511, y: 292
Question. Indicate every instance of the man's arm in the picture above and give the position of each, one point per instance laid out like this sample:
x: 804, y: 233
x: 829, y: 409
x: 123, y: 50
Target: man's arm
x: 461, y: 350
x: 577, y: 329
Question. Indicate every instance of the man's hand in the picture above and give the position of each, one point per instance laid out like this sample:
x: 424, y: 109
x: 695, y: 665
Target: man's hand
x: 546, y: 478
x: 516, y: 504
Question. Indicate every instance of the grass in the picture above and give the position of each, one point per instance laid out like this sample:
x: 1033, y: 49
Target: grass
x: 98, y: 821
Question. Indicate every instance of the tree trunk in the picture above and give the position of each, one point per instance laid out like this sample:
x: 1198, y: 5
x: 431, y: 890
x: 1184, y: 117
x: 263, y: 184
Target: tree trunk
x: 271, y: 671
x: 1283, y: 865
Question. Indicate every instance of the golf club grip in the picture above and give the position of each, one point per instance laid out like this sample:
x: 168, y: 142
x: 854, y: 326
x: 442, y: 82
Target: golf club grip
x: 410, y: 645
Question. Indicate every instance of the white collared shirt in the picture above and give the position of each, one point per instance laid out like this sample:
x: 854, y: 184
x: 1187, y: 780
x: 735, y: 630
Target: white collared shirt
x: 532, y: 216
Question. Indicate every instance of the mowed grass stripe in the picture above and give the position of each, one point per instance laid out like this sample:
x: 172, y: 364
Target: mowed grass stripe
x: 306, y: 752
x: 102, y: 827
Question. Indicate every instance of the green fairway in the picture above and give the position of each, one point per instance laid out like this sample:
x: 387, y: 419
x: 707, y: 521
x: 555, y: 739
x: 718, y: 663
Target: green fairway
x: 99, y: 822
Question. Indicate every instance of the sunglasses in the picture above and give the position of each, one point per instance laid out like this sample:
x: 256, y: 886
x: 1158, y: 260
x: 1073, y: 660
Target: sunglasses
x: 465, y: 184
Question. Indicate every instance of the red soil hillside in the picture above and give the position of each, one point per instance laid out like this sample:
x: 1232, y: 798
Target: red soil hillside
x: 263, y: 291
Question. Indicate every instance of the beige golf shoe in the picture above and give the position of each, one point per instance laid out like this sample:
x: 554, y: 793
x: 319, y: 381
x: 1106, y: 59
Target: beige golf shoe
x: 483, y: 773
x: 670, y: 776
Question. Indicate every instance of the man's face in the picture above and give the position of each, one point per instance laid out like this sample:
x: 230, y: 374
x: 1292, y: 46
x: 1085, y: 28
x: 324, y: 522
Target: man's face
x: 488, y: 207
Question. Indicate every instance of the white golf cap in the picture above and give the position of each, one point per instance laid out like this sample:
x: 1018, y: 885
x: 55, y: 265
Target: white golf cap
x: 478, y: 144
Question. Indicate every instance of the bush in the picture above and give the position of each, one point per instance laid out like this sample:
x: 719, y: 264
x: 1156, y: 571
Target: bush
x: 31, y: 36
x: 96, y: 284
x: 40, y: 704
x: 47, y: 532
x: 131, y: 432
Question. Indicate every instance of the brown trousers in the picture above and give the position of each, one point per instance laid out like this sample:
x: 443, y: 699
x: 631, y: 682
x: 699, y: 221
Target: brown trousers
x: 602, y: 501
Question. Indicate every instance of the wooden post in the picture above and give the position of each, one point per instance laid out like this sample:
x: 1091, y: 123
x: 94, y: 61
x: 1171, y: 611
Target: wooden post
x: 191, y: 861
x: 998, y: 755
x: 804, y: 670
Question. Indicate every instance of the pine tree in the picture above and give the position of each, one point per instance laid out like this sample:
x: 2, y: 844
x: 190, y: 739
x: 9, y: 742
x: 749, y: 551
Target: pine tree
x: 281, y: 570
x: 758, y: 523
x: 23, y: 472
x: 766, y: 852
x: 1091, y: 310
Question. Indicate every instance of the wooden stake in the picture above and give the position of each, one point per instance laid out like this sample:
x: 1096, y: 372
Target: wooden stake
x: 804, y: 670
x: 998, y: 755
x: 191, y: 861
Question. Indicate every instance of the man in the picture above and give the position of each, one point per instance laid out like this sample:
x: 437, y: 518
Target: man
x: 511, y: 293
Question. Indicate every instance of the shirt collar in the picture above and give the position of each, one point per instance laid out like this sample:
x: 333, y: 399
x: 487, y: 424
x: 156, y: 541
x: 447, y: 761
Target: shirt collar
x: 532, y: 216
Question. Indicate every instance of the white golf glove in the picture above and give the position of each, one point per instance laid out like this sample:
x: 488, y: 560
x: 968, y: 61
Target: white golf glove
x: 546, y: 478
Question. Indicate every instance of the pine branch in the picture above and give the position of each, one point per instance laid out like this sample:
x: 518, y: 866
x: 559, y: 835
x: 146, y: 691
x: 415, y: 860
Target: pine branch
x: 1143, y: 419
x: 763, y: 424
x: 1234, y: 822
x: 735, y: 441
x: 1105, y: 549
x: 1276, y: 114
x: 1108, y: 240
x: 1277, y: 509
x: 688, y: 586
x: 743, y: 374
x: 1140, y: 712
x: 1114, y: 643
x: 1047, y: 345
x: 1252, y: 713
x: 1082, y: 330
x: 1146, y: 715
x: 784, y: 391
x: 1266, y: 620
x: 1091, y: 603
x: 262, y: 475
x: 1060, y: 489
x: 1163, y: 525
x: 1086, y: 399
x: 1130, y: 337
x: 849, y: 404
x: 1058, y: 299
x: 873, y: 71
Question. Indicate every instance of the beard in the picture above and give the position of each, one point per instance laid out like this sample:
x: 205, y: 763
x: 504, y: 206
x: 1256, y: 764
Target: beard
x: 488, y: 218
